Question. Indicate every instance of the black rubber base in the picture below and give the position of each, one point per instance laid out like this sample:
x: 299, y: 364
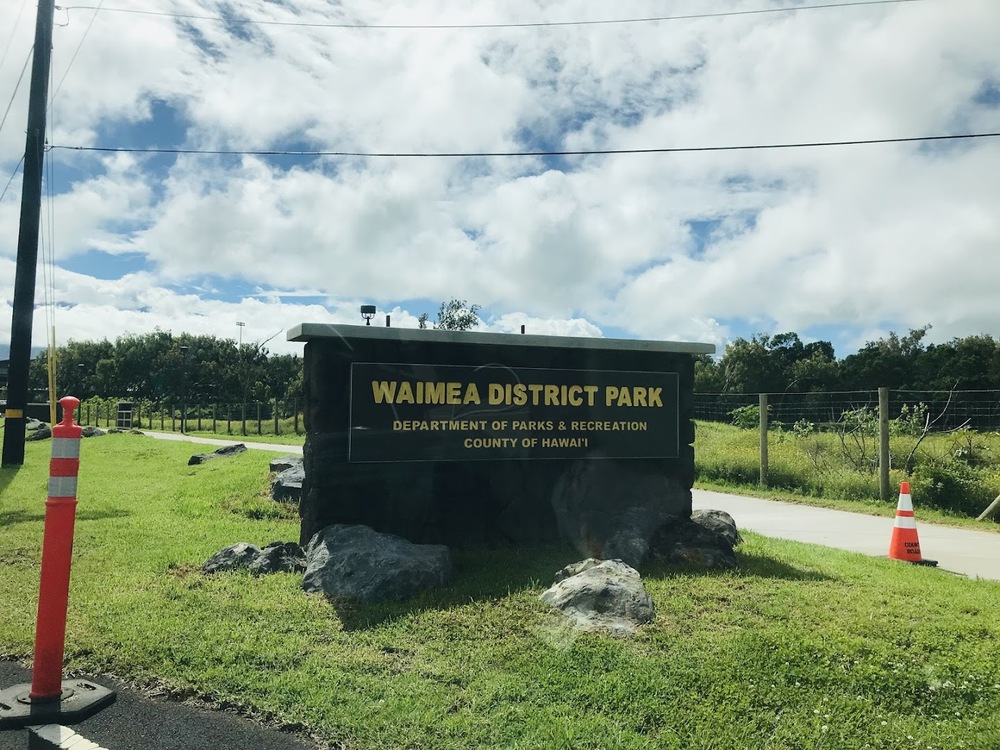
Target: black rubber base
x: 928, y: 563
x: 80, y: 699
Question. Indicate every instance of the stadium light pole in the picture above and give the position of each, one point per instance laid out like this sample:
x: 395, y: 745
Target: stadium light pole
x: 242, y: 376
x: 184, y: 380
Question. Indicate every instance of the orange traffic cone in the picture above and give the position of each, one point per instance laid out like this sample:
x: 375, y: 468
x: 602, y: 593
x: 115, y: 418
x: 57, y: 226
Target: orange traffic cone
x: 905, y: 545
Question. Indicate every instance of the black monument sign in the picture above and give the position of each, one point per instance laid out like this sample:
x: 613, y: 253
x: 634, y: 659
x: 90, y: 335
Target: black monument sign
x: 468, y: 438
x: 412, y: 412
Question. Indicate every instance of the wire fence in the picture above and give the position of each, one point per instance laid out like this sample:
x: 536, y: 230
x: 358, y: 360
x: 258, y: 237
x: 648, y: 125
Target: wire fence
x: 277, y: 417
x: 977, y: 410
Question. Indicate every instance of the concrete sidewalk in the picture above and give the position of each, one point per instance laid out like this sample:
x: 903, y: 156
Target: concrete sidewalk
x: 251, y: 445
x: 972, y: 553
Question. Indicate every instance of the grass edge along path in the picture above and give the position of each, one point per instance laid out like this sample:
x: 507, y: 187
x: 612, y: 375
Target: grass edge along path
x: 803, y: 647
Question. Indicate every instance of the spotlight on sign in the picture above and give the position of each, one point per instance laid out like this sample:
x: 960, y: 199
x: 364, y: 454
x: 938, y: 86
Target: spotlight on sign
x: 368, y: 312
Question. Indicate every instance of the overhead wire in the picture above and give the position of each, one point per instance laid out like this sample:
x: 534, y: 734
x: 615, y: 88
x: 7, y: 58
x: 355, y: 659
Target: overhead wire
x: 498, y: 154
x: 76, y: 52
x: 511, y: 25
x: 13, y: 33
x: 47, y: 242
x: 17, y: 86
x: 12, y: 176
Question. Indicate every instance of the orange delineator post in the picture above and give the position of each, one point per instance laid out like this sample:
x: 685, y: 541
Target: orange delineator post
x: 49, y: 699
x: 57, y: 552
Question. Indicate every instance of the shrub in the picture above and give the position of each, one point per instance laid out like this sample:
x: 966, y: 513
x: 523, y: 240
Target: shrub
x: 952, y: 486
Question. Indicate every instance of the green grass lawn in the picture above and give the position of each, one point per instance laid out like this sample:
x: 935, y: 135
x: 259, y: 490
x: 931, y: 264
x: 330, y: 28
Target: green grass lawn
x: 802, y: 647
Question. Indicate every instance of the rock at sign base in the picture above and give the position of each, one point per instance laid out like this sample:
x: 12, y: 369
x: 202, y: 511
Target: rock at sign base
x: 357, y: 562
x: 605, y: 595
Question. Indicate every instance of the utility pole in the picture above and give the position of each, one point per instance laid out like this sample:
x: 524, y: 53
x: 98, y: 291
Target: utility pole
x: 27, y: 241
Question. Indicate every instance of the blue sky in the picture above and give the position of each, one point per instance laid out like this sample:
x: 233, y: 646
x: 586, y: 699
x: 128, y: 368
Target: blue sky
x: 843, y: 244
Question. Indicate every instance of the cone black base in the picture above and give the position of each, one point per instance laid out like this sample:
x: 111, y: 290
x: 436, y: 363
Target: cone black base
x: 80, y: 699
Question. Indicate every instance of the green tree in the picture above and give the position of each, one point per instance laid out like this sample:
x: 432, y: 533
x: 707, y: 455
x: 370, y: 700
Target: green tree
x: 284, y: 376
x: 457, y: 315
x: 970, y: 363
x: 708, y: 376
x: 774, y: 364
x: 890, y: 362
x: 144, y: 366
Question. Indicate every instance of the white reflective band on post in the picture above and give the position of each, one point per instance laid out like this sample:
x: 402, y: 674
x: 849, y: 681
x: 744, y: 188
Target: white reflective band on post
x: 65, y: 447
x: 62, y: 486
x: 906, y: 522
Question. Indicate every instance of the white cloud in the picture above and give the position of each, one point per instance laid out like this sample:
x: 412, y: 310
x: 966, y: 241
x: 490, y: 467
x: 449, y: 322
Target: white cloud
x: 676, y: 246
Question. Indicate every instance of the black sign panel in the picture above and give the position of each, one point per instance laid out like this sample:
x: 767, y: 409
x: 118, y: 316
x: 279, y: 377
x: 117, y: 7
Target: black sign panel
x: 410, y: 412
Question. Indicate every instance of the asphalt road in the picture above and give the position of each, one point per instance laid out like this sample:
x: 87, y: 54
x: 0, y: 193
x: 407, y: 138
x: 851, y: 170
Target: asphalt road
x: 133, y: 722
x: 972, y: 553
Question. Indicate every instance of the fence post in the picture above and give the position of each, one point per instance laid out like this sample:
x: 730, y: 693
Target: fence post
x: 295, y: 411
x: 213, y: 419
x: 883, y: 445
x: 258, y: 418
x: 276, y: 416
x: 763, y: 440
x: 229, y: 419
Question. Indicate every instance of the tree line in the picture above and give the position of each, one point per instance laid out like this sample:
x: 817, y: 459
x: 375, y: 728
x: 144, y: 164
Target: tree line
x: 160, y: 366
x: 782, y: 363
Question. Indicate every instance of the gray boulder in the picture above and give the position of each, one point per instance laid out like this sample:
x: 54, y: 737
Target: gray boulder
x: 706, y: 539
x: 358, y: 562
x: 279, y: 557
x: 239, y: 555
x: 226, y: 450
x: 720, y: 522
x: 91, y: 431
x: 31, y: 424
x: 601, y: 521
x: 287, y: 486
x: 605, y: 595
x: 284, y: 462
x: 40, y: 433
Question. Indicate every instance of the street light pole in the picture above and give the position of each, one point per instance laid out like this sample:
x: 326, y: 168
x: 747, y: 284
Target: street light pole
x: 243, y: 387
x: 184, y: 370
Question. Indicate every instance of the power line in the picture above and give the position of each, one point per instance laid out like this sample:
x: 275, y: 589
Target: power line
x: 75, y: 53
x: 14, y: 94
x: 13, y: 32
x: 492, y: 154
x: 526, y: 25
x: 12, y: 176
